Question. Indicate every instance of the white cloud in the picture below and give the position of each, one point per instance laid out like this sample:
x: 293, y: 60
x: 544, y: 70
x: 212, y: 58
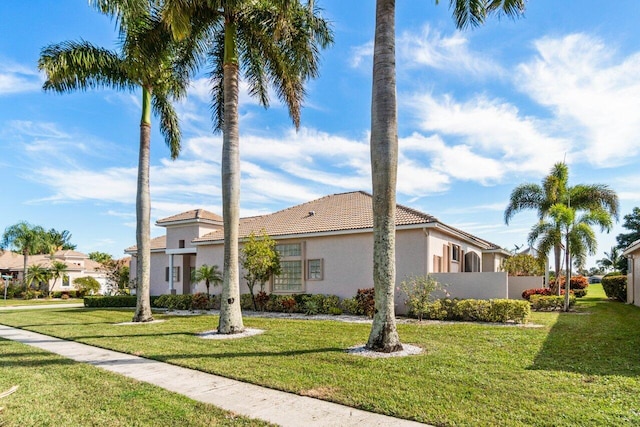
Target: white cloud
x: 15, y: 78
x: 361, y: 55
x: 432, y: 49
x: 593, y: 92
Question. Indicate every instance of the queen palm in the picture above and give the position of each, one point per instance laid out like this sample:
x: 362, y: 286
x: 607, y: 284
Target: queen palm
x: 149, y: 59
x: 613, y: 260
x: 56, y: 271
x: 209, y: 274
x: 563, y: 224
x: 275, y: 43
x: 384, y: 154
x: 38, y: 274
x: 555, y: 189
x: 26, y: 239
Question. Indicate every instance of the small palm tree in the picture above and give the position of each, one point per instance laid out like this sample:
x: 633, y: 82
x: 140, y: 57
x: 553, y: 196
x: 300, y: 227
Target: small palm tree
x: 149, y: 59
x: 207, y: 274
x: 575, y: 232
x: 38, y: 274
x: 57, y: 270
x: 612, y: 260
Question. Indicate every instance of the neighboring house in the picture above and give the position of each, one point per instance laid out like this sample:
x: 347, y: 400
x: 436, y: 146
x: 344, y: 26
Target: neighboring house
x: 325, y: 245
x: 633, y: 273
x: 78, y: 265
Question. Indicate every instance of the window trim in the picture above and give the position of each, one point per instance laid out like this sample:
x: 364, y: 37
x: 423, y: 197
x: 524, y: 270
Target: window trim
x: 456, y: 250
x: 308, y: 265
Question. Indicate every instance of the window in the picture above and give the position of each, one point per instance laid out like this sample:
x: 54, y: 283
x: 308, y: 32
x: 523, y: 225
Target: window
x: 176, y: 274
x: 290, y: 278
x: 315, y: 269
x: 455, y: 253
x: 289, y: 250
x: 65, y: 280
x: 180, y: 244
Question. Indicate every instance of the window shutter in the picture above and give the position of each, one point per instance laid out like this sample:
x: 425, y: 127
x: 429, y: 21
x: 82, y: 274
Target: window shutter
x: 166, y: 274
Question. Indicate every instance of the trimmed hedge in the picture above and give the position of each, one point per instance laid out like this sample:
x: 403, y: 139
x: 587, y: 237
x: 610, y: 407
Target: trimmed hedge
x: 550, y: 303
x: 113, y: 301
x: 309, y: 304
x: 198, y: 301
x: 495, y: 310
x: 615, y: 287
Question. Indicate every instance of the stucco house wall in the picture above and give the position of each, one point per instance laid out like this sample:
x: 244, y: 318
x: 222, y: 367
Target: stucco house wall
x: 633, y: 275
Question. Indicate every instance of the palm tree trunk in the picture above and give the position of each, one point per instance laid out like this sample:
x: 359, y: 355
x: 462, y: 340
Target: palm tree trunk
x: 384, y: 165
x: 230, y: 314
x: 557, y: 252
x: 143, y: 216
x: 567, y: 277
x: 25, y: 261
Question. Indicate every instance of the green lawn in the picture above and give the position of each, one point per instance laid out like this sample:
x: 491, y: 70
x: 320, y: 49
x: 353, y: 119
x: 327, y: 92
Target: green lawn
x: 54, y: 391
x: 577, y: 369
x: 39, y: 301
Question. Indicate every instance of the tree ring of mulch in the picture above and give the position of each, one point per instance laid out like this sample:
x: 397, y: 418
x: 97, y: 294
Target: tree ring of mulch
x: 407, y: 350
x: 214, y: 335
x: 141, y: 323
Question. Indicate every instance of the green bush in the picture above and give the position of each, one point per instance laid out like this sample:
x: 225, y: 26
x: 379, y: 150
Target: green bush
x: 350, y: 305
x: 579, y: 293
x: 615, y: 287
x: 550, y: 303
x: 246, y: 303
x: 418, y: 290
x: 199, y: 301
x: 473, y: 310
x: 112, y: 301
x: 335, y: 311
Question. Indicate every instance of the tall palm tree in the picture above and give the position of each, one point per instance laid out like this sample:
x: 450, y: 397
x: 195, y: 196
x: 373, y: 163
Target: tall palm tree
x: 384, y: 154
x: 275, y: 43
x: 209, y: 274
x: 575, y: 232
x: 149, y: 59
x: 59, y: 240
x: 555, y: 189
x: 26, y: 239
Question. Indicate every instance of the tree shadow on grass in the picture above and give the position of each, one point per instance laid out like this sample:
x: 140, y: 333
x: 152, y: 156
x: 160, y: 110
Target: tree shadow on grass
x: 603, y: 341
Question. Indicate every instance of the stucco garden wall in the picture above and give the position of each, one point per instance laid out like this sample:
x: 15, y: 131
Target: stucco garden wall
x: 518, y: 284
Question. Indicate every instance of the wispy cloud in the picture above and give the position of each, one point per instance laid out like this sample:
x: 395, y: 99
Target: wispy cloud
x: 16, y: 78
x: 594, y: 92
x: 430, y: 48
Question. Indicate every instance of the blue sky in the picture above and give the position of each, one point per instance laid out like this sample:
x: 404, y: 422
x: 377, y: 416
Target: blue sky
x: 480, y: 112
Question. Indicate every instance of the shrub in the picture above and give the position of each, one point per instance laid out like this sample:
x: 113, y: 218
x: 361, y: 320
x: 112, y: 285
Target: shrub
x: 550, y: 303
x: 615, y: 287
x: 577, y: 282
x: 366, y: 301
x: 497, y: 310
x: 505, y: 310
x: 335, y: 311
x: 112, y: 301
x: 199, y: 301
x: 330, y: 302
x: 288, y: 304
x: 311, y: 307
x: 350, y: 305
x: 261, y: 300
x: 472, y: 310
x: 536, y: 291
x: 86, y: 285
x: 418, y: 290
x: 246, y: 303
x: 440, y: 309
x: 579, y: 293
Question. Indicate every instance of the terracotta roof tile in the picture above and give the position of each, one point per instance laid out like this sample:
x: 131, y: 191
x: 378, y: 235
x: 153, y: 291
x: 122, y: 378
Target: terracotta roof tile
x: 336, y: 212
x: 191, y: 215
x: 159, y: 242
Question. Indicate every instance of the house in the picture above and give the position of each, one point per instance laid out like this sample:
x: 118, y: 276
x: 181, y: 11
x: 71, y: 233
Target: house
x: 78, y: 265
x: 632, y: 252
x: 325, y: 246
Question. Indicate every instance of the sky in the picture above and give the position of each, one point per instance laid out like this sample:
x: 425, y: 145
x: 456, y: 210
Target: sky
x: 480, y: 111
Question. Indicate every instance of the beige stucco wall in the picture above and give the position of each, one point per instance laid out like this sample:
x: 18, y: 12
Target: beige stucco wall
x: 518, y: 284
x: 187, y: 233
x: 210, y: 255
x: 633, y: 279
x: 474, y: 285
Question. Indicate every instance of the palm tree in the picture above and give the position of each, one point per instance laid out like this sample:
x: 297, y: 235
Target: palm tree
x: 38, y: 274
x: 26, y: 239
x: 574, y: 231
x: 57, y: 270
x: 384, y: 154
x: 612, y: 260
x: 59, y: 240
x: 208, y: 275
x: 555, y: 189
x: 149, y: 59
x: 276, y: 43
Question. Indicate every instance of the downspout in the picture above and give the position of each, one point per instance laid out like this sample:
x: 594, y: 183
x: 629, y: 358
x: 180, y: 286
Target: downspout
x: 172, y: 291
x: 427, y: 252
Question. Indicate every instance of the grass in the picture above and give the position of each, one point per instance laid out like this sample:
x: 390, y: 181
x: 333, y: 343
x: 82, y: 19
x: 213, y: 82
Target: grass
x: 39, y: 301
x: 55, y: 391
x: 579, y: 368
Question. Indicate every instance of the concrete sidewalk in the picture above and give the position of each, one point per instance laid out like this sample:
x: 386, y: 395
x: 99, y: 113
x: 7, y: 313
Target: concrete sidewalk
x: 277, y: 407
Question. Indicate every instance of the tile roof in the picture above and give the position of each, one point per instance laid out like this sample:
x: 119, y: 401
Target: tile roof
x: 191, y: 215
x: 336, y: 212
x: 159, y: 242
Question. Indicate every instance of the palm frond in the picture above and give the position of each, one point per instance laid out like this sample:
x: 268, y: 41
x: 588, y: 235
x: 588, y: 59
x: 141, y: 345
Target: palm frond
x: 524, y: 196
x: 169, y: 123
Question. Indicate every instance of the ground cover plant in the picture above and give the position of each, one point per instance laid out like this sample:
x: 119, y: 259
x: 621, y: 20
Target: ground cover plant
x: 578, y: 368
x: 54, y: 391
